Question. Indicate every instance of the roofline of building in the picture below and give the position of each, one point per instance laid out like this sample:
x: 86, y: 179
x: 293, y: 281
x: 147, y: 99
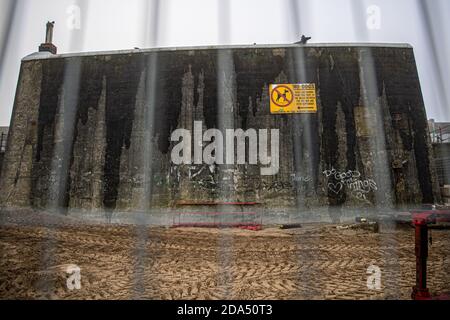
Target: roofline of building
x: 47, y: 55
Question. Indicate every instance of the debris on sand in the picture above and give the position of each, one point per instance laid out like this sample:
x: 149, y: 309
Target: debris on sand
x: 290, y: 226
x: 364, y: 224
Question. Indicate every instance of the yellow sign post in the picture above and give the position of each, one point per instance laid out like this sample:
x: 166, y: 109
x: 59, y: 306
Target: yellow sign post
x: 293, y: 98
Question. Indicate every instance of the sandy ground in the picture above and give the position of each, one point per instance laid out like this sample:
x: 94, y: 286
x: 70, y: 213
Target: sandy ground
x: 141, y: 262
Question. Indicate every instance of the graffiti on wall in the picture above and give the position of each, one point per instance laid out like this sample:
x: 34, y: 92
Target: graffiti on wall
x: 299, y: 178
x: 350, y: 182
x: 353, y: 181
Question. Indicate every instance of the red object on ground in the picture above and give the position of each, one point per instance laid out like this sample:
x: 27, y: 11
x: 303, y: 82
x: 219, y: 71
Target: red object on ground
x: 421, y: 222
x: 252, y: 228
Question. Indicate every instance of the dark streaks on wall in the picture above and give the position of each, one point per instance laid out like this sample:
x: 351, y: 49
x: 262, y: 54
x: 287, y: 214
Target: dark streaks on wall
x: 349, y: 79
x: 302, y: 67
x: 404, y: 97
x: 206, y: 63
x: 66, y: 128
x: 251, y: 78
x: 168, y: 96
x: 390, y: 79
x: 122, y: 83
x: 90, y: 90
x: 340, y: 75
x: 421, y: 136
x: 90, y: 87
x: 330, y: 97
x: 52, y: 79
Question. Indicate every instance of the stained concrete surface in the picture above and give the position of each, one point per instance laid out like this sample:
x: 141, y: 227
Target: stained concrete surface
x: 92, y: 131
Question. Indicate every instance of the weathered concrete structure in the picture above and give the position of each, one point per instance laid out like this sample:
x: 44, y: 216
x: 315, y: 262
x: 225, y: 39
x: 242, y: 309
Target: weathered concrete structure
x: 92, y: 131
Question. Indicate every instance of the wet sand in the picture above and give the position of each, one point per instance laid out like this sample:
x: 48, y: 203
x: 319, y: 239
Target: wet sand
x: 316, y: 261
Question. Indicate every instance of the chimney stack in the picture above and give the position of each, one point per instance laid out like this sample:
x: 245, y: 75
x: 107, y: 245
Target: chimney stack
x: 48, y: 46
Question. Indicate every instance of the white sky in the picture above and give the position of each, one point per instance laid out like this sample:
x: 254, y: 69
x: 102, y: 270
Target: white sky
x: 124, y: 24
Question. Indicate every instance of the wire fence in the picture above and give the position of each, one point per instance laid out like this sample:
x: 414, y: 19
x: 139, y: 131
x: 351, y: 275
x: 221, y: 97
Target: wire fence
x: 298, y: 10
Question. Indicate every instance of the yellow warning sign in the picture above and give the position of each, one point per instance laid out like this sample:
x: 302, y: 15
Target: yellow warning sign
x: 293, y: 98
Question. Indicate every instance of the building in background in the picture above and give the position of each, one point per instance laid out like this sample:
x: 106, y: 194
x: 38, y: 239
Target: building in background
x: 440, y: 137
x: 439, y: 131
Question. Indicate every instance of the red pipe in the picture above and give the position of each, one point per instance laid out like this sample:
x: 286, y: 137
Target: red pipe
x: 420, y: 291
x: 421, y: 222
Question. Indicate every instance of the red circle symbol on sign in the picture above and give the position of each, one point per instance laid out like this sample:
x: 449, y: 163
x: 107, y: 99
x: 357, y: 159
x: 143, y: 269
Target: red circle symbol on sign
x: 282, y: 96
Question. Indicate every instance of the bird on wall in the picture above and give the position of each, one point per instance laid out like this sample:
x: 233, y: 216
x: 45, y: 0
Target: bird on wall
x: 304, y: 40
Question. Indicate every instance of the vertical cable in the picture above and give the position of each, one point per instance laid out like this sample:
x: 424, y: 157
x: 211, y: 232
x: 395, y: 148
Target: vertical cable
x: 430, y: 22
x: 142, y: 219
x: 303, y: 134
x: 226, y: 82
x: 432, y: 42
x: 377, y: 145
x: 8, y: 7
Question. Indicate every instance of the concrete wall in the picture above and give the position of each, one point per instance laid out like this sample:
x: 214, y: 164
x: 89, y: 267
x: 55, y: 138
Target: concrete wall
x: 94, y: 131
